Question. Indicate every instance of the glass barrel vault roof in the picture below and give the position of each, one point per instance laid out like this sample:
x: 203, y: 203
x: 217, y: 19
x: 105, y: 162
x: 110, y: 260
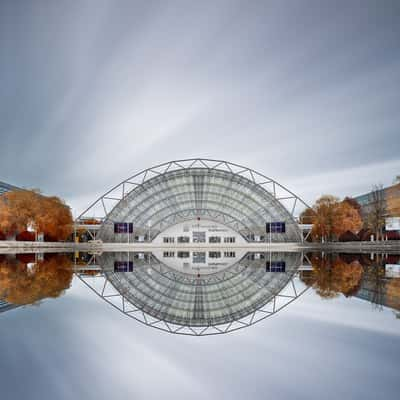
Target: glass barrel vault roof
x: 174, y: 192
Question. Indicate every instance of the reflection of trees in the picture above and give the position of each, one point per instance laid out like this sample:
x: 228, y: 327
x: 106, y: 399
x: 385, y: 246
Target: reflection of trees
x: 331, y: 275
x: 393, y: 293
x: 374, y: 281
x: 22, y: 283
x: 354, y: 274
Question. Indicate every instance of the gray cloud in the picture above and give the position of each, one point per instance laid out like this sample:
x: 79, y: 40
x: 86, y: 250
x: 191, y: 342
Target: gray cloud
x: 94, y: 91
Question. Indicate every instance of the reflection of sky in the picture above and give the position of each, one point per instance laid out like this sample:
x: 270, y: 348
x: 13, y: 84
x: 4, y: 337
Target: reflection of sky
x: 79, y: 347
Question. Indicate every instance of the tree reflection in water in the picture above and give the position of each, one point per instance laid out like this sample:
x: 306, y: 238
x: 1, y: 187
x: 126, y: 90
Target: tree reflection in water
x: 24, y: 280
x: 360, y: 275
x: 331, y: 275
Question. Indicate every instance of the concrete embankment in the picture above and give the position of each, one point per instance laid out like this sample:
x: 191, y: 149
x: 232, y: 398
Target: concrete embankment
x: 46, y: 247
x: 39, y: 247
x: 356, y: 247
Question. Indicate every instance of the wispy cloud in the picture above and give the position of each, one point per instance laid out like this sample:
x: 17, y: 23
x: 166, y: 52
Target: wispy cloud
x: 92, y: 94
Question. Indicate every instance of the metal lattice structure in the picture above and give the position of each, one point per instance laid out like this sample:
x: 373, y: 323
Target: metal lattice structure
x: 176, y: 191
x: 6, y: 187
x: 162, y: 298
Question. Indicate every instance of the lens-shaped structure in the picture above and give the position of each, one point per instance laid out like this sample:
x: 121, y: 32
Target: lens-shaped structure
x: 187, y: 302
x: 162, y: 196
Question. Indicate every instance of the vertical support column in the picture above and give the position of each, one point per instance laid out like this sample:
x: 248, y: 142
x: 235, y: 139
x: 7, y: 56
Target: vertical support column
x: 270, y: 231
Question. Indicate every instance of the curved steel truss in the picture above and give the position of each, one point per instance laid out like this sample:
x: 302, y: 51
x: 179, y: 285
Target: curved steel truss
x: 267, y: 296
x: 172, y: 192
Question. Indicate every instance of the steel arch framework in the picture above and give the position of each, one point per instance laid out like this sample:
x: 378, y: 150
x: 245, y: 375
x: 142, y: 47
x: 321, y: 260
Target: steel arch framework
x: 105, y: 288
x: 177, y: 190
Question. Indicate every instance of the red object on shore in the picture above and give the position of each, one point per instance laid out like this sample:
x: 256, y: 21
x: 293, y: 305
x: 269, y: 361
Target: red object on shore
x: 26, y: 257
x: 393, y: 235
x: 348, y: 236
x: 26, y: 236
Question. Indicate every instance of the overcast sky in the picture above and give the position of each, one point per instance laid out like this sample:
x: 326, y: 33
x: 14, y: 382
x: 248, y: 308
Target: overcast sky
x: 306, y: 92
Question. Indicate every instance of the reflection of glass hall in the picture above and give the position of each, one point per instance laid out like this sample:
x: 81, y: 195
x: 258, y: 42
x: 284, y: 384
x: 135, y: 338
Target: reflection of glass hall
x: 158, y: 295
x: 199, y: 261
x: 164, y: 203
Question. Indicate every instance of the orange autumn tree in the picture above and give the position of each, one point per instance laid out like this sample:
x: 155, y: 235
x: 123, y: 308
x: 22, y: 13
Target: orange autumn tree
x: 22, y: 285
x: 325, y: 210
x: 307, y: 216
x: 16, y: 211
x: 333, y: 217
x: 27, y: 208
x: 353, y: 202
x: 348, y: 219
x: 53, y: 217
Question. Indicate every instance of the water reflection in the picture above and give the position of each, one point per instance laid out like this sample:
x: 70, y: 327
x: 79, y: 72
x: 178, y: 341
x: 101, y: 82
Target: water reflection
x: 375, y: 277
x: 192, y: 300
x: 28, y: 279
x: 201, y: 294
x: 331, y: 275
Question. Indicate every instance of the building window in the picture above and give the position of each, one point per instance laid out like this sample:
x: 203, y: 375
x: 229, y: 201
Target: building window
x: 275, y: 266
x: 199, y: 257
x: 214, y: 239
x: 259, y: 238
x: 229, y: 239
x: 214, y: 254
x: 276, y: 227
x: 183, y: 239
x: 183, y: 254
x: 168, y: 254
x: 169, y: 240
x: 139, y: 256
x: 123, y: 227
x: 123, y: 266
x: 229, y: 254
x: 199, y: 237
x: 256, y: 256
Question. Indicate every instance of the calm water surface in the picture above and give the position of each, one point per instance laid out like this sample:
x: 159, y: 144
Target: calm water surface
x: 309, y: 326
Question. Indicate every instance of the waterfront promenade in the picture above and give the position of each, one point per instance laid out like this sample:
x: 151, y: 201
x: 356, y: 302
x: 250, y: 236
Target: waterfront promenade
x: 367, y: 247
